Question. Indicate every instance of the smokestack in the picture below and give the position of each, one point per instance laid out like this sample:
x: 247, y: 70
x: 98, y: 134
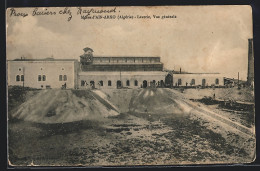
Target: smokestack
x: 180, y: 70
x: 250, y: 73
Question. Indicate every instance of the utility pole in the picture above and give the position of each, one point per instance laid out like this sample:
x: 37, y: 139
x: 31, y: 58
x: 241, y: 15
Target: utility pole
x: 23, y: 77
x: 120, y: 73
x: 238, y: 78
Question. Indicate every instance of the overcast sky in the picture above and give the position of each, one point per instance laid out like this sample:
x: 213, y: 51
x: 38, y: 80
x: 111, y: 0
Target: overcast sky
x: 200, y: 39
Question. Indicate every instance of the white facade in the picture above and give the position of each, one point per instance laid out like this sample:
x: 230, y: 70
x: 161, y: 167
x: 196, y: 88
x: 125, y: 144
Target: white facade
x: 198, y: 79
x: 110, y: 80
x: 42, y: 73
x: 51, y: 73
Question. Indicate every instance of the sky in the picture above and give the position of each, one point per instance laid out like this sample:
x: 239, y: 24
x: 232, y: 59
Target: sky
x: 199, y: 39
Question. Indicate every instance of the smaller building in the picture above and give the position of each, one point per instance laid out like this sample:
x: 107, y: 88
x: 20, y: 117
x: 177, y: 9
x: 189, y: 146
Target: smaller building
x: 42, y: 73
x: 198, y: 79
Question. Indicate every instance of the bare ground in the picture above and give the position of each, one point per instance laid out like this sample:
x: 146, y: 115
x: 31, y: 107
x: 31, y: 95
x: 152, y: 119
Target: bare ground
x: 139, y: 137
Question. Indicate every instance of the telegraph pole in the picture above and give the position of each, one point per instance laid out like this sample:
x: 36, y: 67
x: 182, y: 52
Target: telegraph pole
x: 23, y: 77
x: 238, y: 78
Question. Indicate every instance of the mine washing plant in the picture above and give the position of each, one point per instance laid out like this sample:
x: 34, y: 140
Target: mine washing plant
x: 111, y: 72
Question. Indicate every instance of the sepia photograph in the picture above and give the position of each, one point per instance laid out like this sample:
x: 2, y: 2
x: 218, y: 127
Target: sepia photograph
x: 130, y: 86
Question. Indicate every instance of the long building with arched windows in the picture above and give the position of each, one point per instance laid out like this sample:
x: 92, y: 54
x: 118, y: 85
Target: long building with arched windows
x: 102, y: 73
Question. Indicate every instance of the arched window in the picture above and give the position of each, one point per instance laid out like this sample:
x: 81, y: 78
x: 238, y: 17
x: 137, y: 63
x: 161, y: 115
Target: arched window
x: 179, y: 81
x: 109, y: 83
x: 145, y: 84
x: 136, y: 83
x: 43, y: 78
x: 101, y: 83
x: 217, y: 81
x: 65, y: 78
x: 127, y: 83
x: 60, y: 77
x: 192, y: 82
x: 203, y: 82
x: 22, y: 77
x: 39, y: 77
x: 17, y: 77
x: 92, y: 84
x: 82, y: 82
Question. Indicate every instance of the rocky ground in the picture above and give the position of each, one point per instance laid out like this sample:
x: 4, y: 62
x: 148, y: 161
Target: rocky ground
x: 139, y: 136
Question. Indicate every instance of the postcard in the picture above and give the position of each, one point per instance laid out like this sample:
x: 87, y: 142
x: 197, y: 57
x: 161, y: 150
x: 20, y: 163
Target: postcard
x: 130, y: 85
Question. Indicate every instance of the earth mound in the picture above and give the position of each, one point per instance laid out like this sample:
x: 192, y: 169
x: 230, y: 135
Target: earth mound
x: 61, y: 106
x: 157, y: 101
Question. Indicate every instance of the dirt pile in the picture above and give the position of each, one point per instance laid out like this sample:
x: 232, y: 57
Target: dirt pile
x: 156, y: 101
x: 121, y: 98
x: 61, y: 106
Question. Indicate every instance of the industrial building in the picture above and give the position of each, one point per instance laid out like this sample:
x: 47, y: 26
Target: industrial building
x: 102, y: 73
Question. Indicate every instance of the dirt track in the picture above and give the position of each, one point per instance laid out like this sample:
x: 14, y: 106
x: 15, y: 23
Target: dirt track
x: 141, y: 134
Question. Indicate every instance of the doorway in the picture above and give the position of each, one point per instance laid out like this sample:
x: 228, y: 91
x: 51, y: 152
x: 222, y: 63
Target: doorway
x: 169, y: 80
x: 118, y: 84
x: 92, y: 84
x: 144, y: 84
x: 203, y: 82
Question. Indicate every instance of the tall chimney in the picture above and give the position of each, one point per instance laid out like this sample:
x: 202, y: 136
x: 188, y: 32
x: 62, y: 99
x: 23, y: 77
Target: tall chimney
x: 180, y: 70
x: 250, y: 73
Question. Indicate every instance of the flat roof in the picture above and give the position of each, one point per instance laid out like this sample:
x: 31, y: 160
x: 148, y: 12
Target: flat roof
x: 44, y: 59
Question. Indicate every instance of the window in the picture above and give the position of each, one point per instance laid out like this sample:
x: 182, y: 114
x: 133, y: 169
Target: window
x: 17, y: 77
x: 217, y: 81
x: 192, y: 82
x: 134, y: 60
x: 39, y: 77
x: 109, y: 83
x: 203, y: 82
x: 43, y: 78
x: 136, y: 83
x: 101, y: 83
x: 62, y: 68
x: 22, y: 78
x: 65, y: 78
x: 179, y: 81
x: 92, y: 84
x: 20, y: 69
x: 82, y: 82
x: 60, y: 77
x: 127, y: 83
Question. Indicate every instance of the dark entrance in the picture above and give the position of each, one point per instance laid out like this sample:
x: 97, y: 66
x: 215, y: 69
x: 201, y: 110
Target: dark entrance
x: 203, y: 82
x: 169, y: 80
x: 144, y: 84
x: 162, y: 83
x: 92, y: 84
x: 118, y: 84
